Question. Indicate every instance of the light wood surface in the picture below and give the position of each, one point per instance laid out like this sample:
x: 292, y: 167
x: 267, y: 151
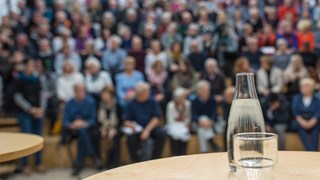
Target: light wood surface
x: 291, y: 166
x: 17, y: 145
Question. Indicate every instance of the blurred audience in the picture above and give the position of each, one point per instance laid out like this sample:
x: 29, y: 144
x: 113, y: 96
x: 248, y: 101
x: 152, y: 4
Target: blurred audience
x: 111, y: 46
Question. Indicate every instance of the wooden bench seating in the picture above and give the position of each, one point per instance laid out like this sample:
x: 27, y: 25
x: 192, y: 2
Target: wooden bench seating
x: 57, y: 156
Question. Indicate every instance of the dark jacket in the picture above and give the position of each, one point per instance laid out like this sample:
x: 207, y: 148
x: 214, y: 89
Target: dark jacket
x: 204, y: 108
x: 298, y: 109
x: 27, y: 92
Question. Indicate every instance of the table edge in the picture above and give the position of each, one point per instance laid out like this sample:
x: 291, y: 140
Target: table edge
x: 161, y: 159
x: 24, y: 151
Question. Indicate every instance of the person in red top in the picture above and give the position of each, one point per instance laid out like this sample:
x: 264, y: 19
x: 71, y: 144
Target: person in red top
x: 306, y: 39
x: 268, y: 37
x: 287, y: 8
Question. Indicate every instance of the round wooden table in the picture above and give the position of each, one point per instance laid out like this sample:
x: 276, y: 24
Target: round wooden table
x: 291, y: 165
x: 17, y: 145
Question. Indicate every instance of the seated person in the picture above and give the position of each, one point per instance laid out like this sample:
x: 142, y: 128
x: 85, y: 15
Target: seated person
x: 178, y: 122
x: 185, y: 77
x: 269, y: 77
x: 126, y: 82
x: 204, y: 115
x: 216, y: 79
x: 66, y: 82
x: 305, y: 110
x: 80, y: 118
x: 158, y: 79
x: 107, y: 117
x: 95, y: 78
x: 277, y: 117
x: 269, y: 80
x: 142, y: 117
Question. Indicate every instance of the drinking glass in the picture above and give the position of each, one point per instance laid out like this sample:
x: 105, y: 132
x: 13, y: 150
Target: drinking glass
x: 255, y: 155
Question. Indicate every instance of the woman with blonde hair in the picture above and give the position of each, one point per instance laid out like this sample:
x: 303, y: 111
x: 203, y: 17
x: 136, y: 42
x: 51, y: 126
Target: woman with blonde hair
x: 66, y: 82
x: 306, y: 40
x: 293, y: 73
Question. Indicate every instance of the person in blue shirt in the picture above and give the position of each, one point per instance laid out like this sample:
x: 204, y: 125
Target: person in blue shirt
x: 305, y: 110
x: 113, y: 58
x: 126, y: 82
x: 144, y: 112
x: 289, y: 35
x: 204, y: 115
x: 79, y: 119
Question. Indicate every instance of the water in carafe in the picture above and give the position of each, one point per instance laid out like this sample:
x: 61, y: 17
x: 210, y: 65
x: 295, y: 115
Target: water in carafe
x: 245, y: 113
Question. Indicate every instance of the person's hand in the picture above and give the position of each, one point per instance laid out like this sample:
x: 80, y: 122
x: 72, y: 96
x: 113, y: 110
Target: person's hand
x: 275, y: 105
x: 37, y: 112
x: 218, y: 98
x: 144, y: 135
x: 78, y: 124
x: 103, y: 133
x: 112, y: 132
x: 33, y: 111
x: 174, y: 67
x: 269, y: 128
x: 130, y: 94
x: 129, y: 124
x: 304, y: 124
x: 159, y: 97
x: 206, y: 124
x: 266, y: 92
x: 311, y: 123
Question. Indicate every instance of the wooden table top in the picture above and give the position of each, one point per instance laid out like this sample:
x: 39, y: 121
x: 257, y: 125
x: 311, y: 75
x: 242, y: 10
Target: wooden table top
x: 17, y: 145
x: 291, y: 165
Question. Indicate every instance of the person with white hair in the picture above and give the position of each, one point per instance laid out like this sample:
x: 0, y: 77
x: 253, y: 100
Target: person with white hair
x: 305, y: 110
x: 64, y: 37
x: 113, y: 58
x: 178, y: 116
x: 192, y: 35
x: 148, y: 34
x: 253, y: 53
x: 204, y: 115
x: 95, y: 79
x: 67, y: 54
x: 282, y: 56
x: 255, y: 20
x: 216, y: 79
x: 109, y: 22
x: 155, y: 54
x: 170, y: 36
x: 143, y: 117
x: 132, y: 20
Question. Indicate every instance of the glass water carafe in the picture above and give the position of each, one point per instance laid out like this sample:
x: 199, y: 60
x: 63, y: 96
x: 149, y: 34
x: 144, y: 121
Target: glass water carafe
x: 245, y: 113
